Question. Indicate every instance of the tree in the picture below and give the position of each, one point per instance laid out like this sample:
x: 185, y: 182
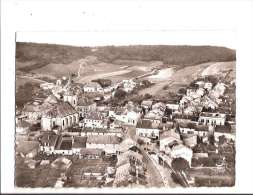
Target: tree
x: 140, y: 141
x: 120, y: 94
x: 180, y: 164
x: 182, y: 91
x: 147, y: 96
x: 211, y: 139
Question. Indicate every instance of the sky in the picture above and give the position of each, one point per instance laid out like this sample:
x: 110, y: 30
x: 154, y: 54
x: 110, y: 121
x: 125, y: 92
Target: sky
x: 146, y: 37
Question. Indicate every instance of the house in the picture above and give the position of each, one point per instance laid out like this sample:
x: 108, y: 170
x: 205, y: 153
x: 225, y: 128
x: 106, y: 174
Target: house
x: 61, y: 115
x: 48, y: 142
x: 94, y: 120
x: 79, y: 143
x: 70, y: 97
x: 224, y: 130
x: 28, y: 149
x: 166, y: 143
x: 145, y: 128
x: 33, y: 110
x: 84, y: 105
x: 92, y: 87
x: 22, y: 127
x: 182, y: 151
x: 64, y: 145
x: 194, y: 129
x: 200, y: 83
x: 128, y: 85
x: 125, y: 116
x: 159, y: 106
x: 107, y: 143
x: 155, y: 116
x: 208, y: 86
x: 190, y: 140
x: 86, y: 153
x: 208, y: 118
x: 146, y: 105
x: 47, y: 86
x: 172, y: 107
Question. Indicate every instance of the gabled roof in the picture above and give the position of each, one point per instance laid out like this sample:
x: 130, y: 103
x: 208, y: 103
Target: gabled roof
x: 49, y: 138
x: 61, y: 109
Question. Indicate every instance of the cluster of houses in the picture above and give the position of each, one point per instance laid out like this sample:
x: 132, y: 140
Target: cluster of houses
x: 70, y: 123
x: 172, y: 130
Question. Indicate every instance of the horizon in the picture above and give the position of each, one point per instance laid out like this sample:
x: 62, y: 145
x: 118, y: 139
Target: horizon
x: 215, y: 38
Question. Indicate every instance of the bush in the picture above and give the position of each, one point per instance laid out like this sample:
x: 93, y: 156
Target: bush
x: 180, y: 164
x: 103, y: 82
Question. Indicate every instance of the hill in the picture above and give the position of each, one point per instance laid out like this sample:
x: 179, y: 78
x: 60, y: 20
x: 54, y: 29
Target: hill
x: 32, y: 56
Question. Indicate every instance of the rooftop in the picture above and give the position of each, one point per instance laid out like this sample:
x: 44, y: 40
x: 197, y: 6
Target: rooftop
x: 60, y: 110
x: 102, y: 139
x: 49, y: 138
x: 210, y: 114
x: 79, y: 142
x: 147, y: 124
x: 94, y: 116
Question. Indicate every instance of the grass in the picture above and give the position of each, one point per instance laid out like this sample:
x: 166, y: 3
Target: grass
x: 43, y: 54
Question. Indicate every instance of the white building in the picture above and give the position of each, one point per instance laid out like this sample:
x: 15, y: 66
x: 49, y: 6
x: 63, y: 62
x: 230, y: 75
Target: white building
x: 212, y: 118
x: 61, y: 115
x: 92, y: 87
x: 126, y: 117
x: 145, y: 128
x: 109, y: 144
x: 71, y: 98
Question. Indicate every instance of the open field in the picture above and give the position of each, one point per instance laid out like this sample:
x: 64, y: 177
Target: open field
x: 20, y: 81
x: 182, y: 77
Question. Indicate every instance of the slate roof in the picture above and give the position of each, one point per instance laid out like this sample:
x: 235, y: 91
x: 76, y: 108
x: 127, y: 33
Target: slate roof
x: 61, y: 109
x: 146, y: 124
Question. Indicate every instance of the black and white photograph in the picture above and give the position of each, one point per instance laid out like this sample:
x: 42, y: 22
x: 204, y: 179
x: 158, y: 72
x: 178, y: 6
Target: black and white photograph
x: 132, y: 116
x: 139, y: 108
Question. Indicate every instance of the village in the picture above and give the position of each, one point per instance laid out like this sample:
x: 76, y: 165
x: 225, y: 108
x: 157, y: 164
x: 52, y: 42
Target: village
x: 96, y: 135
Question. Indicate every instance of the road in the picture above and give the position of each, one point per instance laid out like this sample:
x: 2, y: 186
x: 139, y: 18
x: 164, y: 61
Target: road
x: 154, y: 178
x: 32, y: 78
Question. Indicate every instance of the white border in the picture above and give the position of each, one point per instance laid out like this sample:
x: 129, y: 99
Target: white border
x: 130, y: 16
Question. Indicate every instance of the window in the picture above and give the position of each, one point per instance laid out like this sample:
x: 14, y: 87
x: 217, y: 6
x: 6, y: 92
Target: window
x: 63, y: 123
